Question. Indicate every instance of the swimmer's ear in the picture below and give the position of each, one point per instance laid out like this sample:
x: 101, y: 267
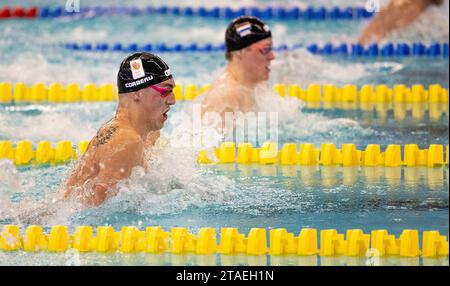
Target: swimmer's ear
x: 238, y: 54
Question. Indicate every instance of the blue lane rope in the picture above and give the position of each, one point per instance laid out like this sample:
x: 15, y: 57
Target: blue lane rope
x: 268, y: 13
x: 355, y: 50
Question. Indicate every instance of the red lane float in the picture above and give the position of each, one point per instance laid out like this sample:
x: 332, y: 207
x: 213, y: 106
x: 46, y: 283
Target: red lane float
x: 31, y: 12
x: 5, y: 13
x: 18, y: 12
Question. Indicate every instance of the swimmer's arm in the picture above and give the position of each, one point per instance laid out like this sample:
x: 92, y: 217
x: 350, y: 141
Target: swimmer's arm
x: 151, y: 139
x: 114, y: 168
x: 396, y: 15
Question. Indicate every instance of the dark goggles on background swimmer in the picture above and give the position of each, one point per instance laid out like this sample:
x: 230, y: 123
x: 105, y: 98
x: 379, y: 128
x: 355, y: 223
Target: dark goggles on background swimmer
x: 264, y: 50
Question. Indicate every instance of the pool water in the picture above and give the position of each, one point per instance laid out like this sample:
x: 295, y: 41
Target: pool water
x: 178, y: 192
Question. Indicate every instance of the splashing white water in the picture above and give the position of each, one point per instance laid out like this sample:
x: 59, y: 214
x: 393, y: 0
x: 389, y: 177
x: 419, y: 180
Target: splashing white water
x: 434, y: 23
x: 50, y: 210
x: 31, y: 67
x: 47, y: 126
x: 8, y: 176
x: 172, y: 183
x: 296, y: 123
x: 304, y: 68
x: 9, y: 183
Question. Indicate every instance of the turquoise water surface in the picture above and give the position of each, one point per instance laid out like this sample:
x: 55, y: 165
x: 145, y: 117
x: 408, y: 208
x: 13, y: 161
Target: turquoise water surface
x: 176, y: 191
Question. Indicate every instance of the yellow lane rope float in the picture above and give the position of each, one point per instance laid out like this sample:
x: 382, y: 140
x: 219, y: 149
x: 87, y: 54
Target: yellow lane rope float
x: 399, y: 93
x: 329, y: 155
x: 308, y: 242
x: 313, y: 93
x: 23, y: 154
x: 55, y: 93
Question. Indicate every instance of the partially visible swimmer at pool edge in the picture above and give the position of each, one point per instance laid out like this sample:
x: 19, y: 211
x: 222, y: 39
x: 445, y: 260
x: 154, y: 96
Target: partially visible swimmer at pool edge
x: 145, y: 86
x: 397, y: 15
x: 248, y: 54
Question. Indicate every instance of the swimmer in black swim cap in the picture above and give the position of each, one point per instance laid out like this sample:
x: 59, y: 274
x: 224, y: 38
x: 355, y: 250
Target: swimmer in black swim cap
x: 145, y: 87
x: 249, y: 49
x: 141, y: 70
x: 249, y: 54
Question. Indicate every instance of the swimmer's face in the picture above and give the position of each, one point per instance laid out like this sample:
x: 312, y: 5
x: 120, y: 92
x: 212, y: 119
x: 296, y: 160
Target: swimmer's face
x: 257, y: 58
x: 156, y: 102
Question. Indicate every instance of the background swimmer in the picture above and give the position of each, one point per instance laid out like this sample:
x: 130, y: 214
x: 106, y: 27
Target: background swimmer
x: 398, y: 14
x: 249, y: 54
x: 145, y: 88
x: 240, y: 91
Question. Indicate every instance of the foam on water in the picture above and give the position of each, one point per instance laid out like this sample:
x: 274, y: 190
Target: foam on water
x: 27, y: 199
x: 295, y: 125
x: 74, y: 122
x: 304, y: 68
x: 31, y: 67
x: 170, y: 184
x: 8, y: 177
x: 434, y: 21
x: 173, y: 176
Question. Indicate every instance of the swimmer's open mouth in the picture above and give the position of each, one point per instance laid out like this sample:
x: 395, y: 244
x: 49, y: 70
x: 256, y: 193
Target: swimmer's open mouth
x: 165, y: 114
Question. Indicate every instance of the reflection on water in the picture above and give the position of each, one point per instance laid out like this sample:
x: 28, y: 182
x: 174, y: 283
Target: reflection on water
x: 393, y: 178
x: 74, y: 258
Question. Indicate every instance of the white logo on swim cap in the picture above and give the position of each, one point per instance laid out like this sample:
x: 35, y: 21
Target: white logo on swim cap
x: 167, y: 72
x: 244, y: 29
x: 138, y: 82
x: 266, y: 28
x: 137, y: 69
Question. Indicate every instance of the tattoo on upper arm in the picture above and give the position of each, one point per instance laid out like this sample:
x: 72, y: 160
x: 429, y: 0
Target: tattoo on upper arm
x: 104, y: 136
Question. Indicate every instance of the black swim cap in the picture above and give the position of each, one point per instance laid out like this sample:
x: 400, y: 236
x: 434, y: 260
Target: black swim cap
x: 141, y: 70
x: 244, y: 31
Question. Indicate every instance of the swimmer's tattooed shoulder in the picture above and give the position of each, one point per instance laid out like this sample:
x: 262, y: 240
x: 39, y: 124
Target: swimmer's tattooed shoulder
x: 104, y: 136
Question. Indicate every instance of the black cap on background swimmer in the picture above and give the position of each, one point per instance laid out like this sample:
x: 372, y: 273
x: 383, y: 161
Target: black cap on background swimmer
x: 141, y: 70
x: 244, y: 31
